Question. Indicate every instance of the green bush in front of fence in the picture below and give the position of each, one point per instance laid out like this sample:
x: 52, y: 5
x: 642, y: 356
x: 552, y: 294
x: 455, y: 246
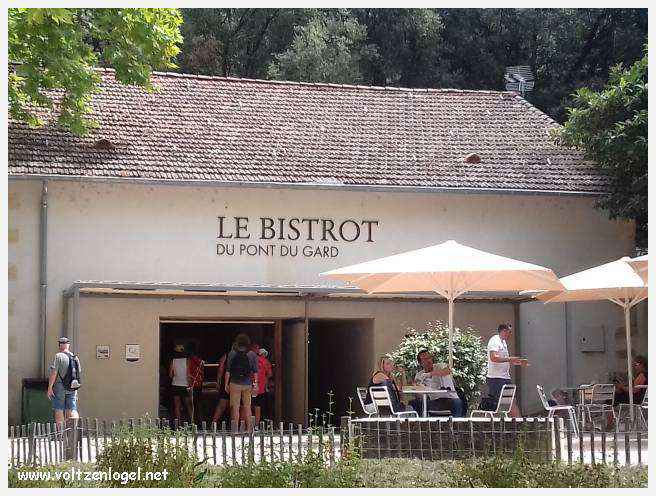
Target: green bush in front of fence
x: 391, y: 472
x: 469, y: 354
x: 313, y: 471
x: 526, y: 472
x: 151, y: 449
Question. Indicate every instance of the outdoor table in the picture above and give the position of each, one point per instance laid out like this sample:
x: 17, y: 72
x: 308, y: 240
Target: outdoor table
x: 424, y: 392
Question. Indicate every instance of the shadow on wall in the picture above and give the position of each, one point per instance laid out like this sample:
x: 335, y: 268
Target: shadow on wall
x: 340, y: 353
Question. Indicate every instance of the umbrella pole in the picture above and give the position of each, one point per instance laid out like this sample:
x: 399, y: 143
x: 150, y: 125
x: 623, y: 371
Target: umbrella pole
x: 627, y: 324
x: 451, y: 332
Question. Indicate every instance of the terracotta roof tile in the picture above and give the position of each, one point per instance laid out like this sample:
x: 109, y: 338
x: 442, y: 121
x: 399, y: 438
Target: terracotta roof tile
x: 229, y: 129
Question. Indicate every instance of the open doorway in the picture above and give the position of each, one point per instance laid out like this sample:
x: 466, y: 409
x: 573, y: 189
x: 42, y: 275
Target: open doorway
x: 210, y: 340
x: 340, y: 358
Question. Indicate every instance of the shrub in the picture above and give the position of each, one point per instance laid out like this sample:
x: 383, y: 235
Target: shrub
x: 312, y: 471
x: 469, y: 354
x: 519, y: 471
x: 404, y: 472
x: 153, y: 450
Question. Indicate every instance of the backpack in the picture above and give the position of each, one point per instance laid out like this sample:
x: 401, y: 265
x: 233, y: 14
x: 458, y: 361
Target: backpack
x: 196, y: 371
x: 72, y: 380
x: 240, y: 366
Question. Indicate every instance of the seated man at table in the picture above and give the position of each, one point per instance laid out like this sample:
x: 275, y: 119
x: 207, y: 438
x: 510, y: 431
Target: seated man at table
x: 431, y: 376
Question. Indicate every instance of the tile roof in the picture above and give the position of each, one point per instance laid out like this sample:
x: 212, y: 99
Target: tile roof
x: 239, y: 130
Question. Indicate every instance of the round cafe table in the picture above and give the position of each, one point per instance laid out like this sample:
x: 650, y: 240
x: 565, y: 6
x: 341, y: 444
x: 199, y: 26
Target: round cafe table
x: 424, y: 392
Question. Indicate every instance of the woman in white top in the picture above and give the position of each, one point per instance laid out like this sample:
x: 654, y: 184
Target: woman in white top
x: 180, y: 381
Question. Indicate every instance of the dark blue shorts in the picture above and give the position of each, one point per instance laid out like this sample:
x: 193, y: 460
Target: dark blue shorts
x: 494, y: 385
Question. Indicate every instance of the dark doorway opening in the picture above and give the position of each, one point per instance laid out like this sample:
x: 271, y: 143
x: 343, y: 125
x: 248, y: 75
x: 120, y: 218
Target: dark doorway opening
x: 339, y: 360
x: 210, y: 340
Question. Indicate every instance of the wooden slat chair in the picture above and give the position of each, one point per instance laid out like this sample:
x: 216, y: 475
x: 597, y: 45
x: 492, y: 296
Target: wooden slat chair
x: 369, y: 409
x: 601, y: 402
x: 559, y: 408
x: 504, y: 404
x: 381, y: 398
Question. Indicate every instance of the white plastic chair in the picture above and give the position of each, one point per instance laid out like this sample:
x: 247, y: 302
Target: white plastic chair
x: 642, y: 410
x: 368, y: 408
x: 504, y: 404
x: 644, y: 414
x: 380, y: 396
x: 601, y: 401
x: 584, y: 397
x: 559, y: 408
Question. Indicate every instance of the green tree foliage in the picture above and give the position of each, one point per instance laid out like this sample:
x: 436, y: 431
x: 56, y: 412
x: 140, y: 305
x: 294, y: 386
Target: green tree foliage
x: 237, y: 42
x: 407, y: 45
x: 611, y: 126
x: 57, y: 49
x: 329, y: 48
x: 469, y: 354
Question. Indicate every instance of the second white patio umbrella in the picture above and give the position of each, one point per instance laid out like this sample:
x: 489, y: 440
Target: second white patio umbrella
x: 615, y: 281
x: 449, y: 269
x: 641, y: 266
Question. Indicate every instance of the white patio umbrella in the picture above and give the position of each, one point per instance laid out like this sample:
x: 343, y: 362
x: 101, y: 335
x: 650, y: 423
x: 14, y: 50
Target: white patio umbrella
x: 615, y: 281
x: 640, y: 265
x: 449, y: 269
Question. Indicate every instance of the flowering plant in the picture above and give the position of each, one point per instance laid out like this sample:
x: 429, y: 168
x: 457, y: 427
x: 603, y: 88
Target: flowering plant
x: 469, y: 354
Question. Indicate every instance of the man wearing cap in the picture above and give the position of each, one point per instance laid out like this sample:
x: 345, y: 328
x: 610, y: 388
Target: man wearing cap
x: 498, y: 365
x: 64, y: 402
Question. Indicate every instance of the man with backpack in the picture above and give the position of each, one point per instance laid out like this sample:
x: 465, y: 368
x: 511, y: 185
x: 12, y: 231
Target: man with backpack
x: 240, y: 378
x: 63, y: 382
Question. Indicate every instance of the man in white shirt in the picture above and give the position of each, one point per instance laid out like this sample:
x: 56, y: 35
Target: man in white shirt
x: 434, y: 376
x: 498, y: 365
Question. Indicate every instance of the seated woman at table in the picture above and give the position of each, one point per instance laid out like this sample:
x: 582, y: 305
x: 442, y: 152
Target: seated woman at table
x: 384, y: 376
x: 639, y: 379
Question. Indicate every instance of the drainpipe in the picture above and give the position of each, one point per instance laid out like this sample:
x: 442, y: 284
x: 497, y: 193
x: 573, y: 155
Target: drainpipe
x: 306, y: 342
x: 43, y: 275
x: 568, y: 368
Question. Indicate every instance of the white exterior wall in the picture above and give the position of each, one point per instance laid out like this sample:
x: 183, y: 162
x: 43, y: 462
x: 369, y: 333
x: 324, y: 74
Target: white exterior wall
x: 23, y: 289
x: 131, y: 232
